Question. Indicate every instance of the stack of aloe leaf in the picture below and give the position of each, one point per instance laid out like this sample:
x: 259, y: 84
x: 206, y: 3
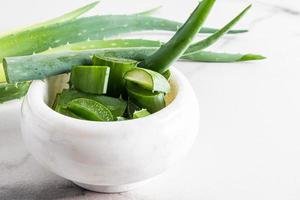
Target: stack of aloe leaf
x: 56, y: 46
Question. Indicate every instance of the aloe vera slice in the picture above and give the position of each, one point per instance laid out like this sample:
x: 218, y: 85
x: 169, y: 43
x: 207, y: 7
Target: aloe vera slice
x: 153, y: 102
x: 90, y: 110
x: 13, y: 91
x: 118, y: 68
x: 148, y: 79
x: 115, y: 105
x: 90, y: 79
x: 66, y: 112
x: 131, y: 108
x: 140, y: 114
x: 174, y: 48
x: 167, y: 74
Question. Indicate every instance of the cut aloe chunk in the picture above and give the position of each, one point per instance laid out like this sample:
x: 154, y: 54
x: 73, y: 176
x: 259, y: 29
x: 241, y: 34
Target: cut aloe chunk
x: 90, y: 79
x: 90, y: 110
x: 118, y: 68
x: 153, y: 102
x: 140, y: 114
x: 167, y: 74
x: 115, y: 105
x: 148, y: 79
x: 66, y: 112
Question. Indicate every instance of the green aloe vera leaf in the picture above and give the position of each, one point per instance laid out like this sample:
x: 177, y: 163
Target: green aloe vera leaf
x: 13, y: 91
x: 153, y: 102
x: 66, y: 112
x: 216, y: 36
x: 166, y: 55
x: 94, y: 28
x: 90, y: 110
x: 208, y: 56
x: 105, y: 44
x: 115, y: 105
x: 141, y: 113
x: 38, y: 67
x: 148, y: 79
x: 66, y: 17
x: 131, y: 108
x: 167, y: 74
x: 90, y: 79
x: 118, y: 68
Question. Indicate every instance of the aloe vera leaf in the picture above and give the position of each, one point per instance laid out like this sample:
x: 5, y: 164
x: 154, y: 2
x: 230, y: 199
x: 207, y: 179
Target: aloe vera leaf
x: 208, y: 56
x: 66, y: 17
x: 90, y: 110
x: 90, y: 79
x: 93, y: 28
x: 13, y: 91
x: 153, y: 102
x: 216, y: 36
x: 115, y: 105
x: 148, y: 79
x: 141, y: 113
x: 37, y: 67
x: 177, y: 45
x: 118, y: 68
x: 105, y: 44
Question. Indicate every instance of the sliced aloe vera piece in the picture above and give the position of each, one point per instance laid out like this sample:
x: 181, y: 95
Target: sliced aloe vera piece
x: 153, y: 102
x: 13, y: 91
x: 148, y: 79
x: 118, y: 68
x: 115, y: 105
x: 131, y: 108
x: 167, y: 74
x: 66, y: 112
x: 90, y: 110
x: 90, y: 79
x: 140, y: 114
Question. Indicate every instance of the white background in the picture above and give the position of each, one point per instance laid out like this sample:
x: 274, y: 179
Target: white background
x: 249, y: 140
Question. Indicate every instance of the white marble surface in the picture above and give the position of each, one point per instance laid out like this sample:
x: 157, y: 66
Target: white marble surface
x: 249, y: 140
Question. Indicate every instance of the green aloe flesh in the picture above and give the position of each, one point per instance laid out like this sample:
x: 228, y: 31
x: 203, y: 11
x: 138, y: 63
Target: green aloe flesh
x: 172, y: 50
x: 167, y: 74
x: 153, y: 102
x: 216, y: 36
x: 90, y: 110
x: 148, y: 79
x: 140, y: 114
x: 13, y: 91
x: 38, y: 67
x: 90, y: 79
x: 115, y: 105
x: 118, y: 68
x: 131, y: 108
x: 65, y: 111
